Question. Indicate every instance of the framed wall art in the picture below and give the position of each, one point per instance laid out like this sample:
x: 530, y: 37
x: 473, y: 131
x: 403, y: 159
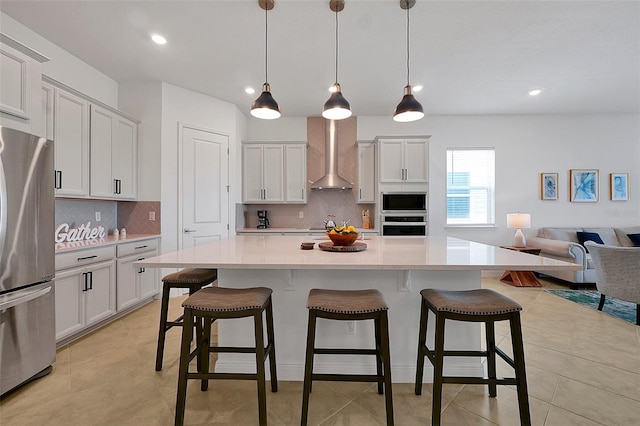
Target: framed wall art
x: 584, y: 185
x: 619, y: 186
x: 548, y: 186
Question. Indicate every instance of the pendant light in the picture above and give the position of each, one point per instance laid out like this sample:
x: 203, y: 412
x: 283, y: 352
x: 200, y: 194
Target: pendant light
x: 409, y: 109
x: 265, y: 106
x: 337, y: 107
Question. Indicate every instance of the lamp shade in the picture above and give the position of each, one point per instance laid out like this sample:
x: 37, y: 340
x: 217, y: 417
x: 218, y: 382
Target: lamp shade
x: 265, y: 106
x: 337, y: 107
x: 519, y: 220
x: 409, y: 109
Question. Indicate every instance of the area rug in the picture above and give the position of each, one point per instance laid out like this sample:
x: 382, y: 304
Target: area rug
x: 591, y: 298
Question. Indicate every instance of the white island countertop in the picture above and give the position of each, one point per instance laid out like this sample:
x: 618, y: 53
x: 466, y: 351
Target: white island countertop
x: 382, y: 253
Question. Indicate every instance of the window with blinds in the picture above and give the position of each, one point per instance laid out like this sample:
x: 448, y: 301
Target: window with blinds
x: 471, y: 186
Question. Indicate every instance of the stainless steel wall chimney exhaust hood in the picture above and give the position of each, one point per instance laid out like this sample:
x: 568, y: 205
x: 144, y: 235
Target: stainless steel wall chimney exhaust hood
x: 331, y: 179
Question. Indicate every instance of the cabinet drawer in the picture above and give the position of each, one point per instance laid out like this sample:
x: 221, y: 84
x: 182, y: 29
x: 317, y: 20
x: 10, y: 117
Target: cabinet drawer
x: 135, y: 247
x: 84, y: 257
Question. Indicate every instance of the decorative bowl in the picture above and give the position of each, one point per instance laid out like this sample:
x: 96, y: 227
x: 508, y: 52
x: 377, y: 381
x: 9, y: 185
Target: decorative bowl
x: 342, y: 239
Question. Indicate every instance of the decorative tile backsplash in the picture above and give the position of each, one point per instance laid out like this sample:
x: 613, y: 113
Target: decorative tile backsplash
x: 132, y: 215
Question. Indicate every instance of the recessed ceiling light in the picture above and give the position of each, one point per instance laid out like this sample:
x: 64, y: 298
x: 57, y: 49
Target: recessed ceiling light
x: 535, y: 92
x: 250, y: 90
x: 416, y: 88
x: 158, y: 39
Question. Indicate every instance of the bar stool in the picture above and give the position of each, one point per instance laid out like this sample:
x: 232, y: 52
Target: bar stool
x: 193, y: 279
x: 349, y: 305
x: 205, y: 307
x: 481, y: 305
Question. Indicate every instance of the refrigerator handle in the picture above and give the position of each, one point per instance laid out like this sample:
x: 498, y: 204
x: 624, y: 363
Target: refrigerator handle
x: 23, y: 299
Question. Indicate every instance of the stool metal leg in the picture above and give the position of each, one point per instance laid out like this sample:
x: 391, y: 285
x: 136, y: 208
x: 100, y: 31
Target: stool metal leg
x: 187, y: 335
x: 491, y: 356
x: 383, y: 323
x: 308, y: 366
x: 422, y: 341
x: 162, y: 329
x: 438, y: 363
x: 521, y: 375
x: 272, y: 348
x: 261, y: 381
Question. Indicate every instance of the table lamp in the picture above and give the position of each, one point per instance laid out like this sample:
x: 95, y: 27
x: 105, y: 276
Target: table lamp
x: 519, y: 221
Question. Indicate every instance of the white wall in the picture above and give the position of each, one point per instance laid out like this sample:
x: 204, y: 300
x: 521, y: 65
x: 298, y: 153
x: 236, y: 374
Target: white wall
x: 191, y: 108
x: 63, y: 66
x: 526, y: 145
x: 144, y: 101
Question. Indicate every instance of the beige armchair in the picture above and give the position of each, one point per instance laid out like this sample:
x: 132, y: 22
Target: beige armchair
x: 617, y: 273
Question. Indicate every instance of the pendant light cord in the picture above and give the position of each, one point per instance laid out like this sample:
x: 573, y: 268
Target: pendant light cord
x: 266, y: 44
x: 336, y: 45
x: 407, y: 45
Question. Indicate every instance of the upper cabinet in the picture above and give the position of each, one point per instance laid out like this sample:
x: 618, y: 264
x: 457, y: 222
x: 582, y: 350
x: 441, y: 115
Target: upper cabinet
x: 20, y: 75
x: 295, y: 164
x: 366, y: 172
x: 70, y: 117
x: 114, y: 142
x: 96, y: 147
x: 274, y: 172
x: 403, y: 160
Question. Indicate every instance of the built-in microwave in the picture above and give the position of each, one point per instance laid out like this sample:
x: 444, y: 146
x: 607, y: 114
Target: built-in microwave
x: 393, y: 202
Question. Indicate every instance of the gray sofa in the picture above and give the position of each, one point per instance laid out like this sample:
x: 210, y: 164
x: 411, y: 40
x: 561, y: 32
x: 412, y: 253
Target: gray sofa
x: 562, y: 243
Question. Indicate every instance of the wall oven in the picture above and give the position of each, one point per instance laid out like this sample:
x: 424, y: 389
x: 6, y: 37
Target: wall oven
x: 404, y: 213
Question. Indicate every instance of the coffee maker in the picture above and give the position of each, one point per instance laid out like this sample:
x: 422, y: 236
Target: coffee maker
x: 263, y: 220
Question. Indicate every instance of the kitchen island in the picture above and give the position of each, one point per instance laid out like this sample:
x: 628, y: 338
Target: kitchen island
x: 397, y: 266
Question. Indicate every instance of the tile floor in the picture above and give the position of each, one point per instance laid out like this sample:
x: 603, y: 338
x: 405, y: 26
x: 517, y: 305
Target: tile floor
x: 583, y: 368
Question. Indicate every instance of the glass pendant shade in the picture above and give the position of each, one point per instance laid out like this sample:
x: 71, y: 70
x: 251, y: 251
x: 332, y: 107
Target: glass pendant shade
x: 409, y: 109
x: 336, y: 107
x: 265, y: 106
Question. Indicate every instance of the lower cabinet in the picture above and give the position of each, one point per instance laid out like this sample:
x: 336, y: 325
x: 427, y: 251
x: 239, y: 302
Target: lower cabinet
x: 84, y: 296
x: 95, y: 284
x: 135, y: 283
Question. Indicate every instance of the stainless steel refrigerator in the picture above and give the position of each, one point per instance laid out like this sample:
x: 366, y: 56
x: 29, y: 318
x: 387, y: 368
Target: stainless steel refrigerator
x: 27, y: 258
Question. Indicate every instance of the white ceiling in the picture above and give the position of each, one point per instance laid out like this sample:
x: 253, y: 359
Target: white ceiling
x: 473, y: 57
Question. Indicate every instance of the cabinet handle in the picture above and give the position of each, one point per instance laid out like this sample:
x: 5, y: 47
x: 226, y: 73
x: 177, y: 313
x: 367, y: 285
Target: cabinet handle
x: 141, y: 270
x: 90, y: 280
x: 84, y: 275
x: 87, y: 257
x: 188, y: 231
x: 140, y: 247
x: 302, y: 193
x: 119, y: 186
x: 360, y: 193
x: 57, y: 179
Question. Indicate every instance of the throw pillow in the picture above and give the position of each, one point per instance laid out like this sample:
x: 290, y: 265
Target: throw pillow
x: 589, y: 236
x: 635, y: 239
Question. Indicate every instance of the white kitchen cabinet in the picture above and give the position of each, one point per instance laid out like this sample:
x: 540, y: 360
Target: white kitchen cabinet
x: 20, y: 75
x: 403, y: 160
x: 135, y: 284
x: 296, y: 173
x: 114, y: 147
x: 263, y: 173
x: 84, y: 296
x: 366, y: 172
x: 47, y: 102
x: 71, y: 137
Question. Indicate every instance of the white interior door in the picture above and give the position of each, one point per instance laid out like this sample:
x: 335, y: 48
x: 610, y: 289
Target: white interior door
x: 204, y: 187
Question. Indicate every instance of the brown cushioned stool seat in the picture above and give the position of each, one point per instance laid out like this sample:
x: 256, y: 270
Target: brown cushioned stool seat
x: 481, y: 305
x: 193, y: 279
x: 202, y: 309
x: 349, y: 305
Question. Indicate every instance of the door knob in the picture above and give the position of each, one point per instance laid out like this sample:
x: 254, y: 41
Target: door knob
x: 188, y: 231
